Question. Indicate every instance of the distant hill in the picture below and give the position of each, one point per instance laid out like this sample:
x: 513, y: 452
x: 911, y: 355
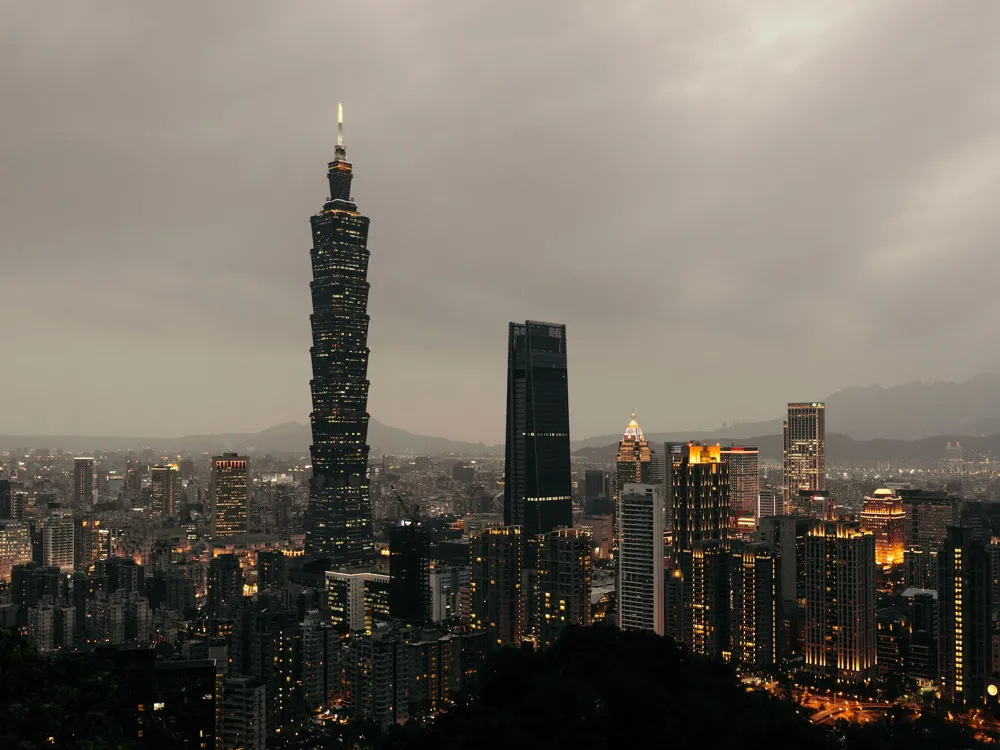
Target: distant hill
x: 290, y: 437
x: 911, y: 411
x: 841, y: 449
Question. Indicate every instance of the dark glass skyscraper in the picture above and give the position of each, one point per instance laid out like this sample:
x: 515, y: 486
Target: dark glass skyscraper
x: 537, y: 484
x: 339, y: 523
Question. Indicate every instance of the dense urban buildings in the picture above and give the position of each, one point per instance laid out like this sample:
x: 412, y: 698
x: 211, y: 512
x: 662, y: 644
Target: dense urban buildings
x: 640, y: 558
x: 840, y: 639
x: 883, y: 516
x: 805, y: 450
x: 229, y: 494
x: 339, y: 524
x: 538, y: 486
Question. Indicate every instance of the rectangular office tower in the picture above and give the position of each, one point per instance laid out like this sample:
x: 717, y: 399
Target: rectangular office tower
x: 840, y: 601
x: 640, y: 558
x: 538, y: 487
x: 805, y: 451
x: 83, y: 483
x: 698, y: 483
x: 339, y: 515
x: 495, y: 586
x: 229, y: 495
x: 965, y: 609
x: 165, y: 488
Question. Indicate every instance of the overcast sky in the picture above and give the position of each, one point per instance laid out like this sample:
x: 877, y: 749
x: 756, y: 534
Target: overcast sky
x: 729, y: 204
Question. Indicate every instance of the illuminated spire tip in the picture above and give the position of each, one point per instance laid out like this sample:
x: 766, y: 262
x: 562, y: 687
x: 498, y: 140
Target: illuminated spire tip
x: 340, y: 125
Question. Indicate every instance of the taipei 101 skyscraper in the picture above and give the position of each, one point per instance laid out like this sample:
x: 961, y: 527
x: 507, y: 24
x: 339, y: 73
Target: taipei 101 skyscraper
x: 339, y: 517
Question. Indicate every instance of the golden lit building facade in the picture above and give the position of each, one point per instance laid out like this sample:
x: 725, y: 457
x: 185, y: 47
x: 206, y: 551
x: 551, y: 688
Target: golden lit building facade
x: 883, y: 516
x: 840, y: 634
x: 633, y: 464
x: 15, y: 547
x: 698, y: 484
x: 804, y: 451
x: 229, y: 494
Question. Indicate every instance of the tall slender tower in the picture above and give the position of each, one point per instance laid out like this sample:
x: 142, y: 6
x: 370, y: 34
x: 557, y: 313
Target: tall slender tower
x: 538, y: 486
x: 339, y: 519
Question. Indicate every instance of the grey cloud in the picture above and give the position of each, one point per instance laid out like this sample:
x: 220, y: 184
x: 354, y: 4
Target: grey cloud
x: 729, y: 204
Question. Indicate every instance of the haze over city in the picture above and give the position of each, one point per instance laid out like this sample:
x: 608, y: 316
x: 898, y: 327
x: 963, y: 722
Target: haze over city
x: 728, y: 205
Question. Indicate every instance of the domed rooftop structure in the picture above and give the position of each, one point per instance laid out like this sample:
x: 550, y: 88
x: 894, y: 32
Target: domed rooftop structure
x: 633, y: 433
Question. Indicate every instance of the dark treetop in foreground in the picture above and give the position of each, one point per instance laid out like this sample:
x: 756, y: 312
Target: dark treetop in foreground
x: 602, y: 688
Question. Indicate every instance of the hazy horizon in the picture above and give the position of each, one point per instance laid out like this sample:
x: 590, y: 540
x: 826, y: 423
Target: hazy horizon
x: 729, y: 207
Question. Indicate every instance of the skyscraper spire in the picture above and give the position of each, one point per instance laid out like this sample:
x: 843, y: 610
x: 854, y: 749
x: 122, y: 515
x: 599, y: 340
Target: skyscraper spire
x: 339, y: 519
x: 340, y: 125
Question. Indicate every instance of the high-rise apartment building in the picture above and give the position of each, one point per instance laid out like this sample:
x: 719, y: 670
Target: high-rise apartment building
x: 409, y: 574
x: 243, y: 714
x: 698, y: 484
x: 225, y: 585
x: 356, y: 600
x: 840, y: 638
x: 706, y: 614
x: 92, y: 541
x: 640, y: 558
x: 563, y: 596
x: 883, y: 516
x: 538, y: 487
x: 755, y: 611
x: 339, y: 517
x: 805, y: 450
x: 57, y: 543
x: 771, y: 502
x: 165, y: 488
x: 229, y: 494
x: 83, y: 483
x: 744, y: 479
x: 15, y: 547
x: 496, y: 606
x: 633, y: 462
x: 964, y: 617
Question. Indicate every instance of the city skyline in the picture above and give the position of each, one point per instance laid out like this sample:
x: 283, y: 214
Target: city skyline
x: 219, y: 227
